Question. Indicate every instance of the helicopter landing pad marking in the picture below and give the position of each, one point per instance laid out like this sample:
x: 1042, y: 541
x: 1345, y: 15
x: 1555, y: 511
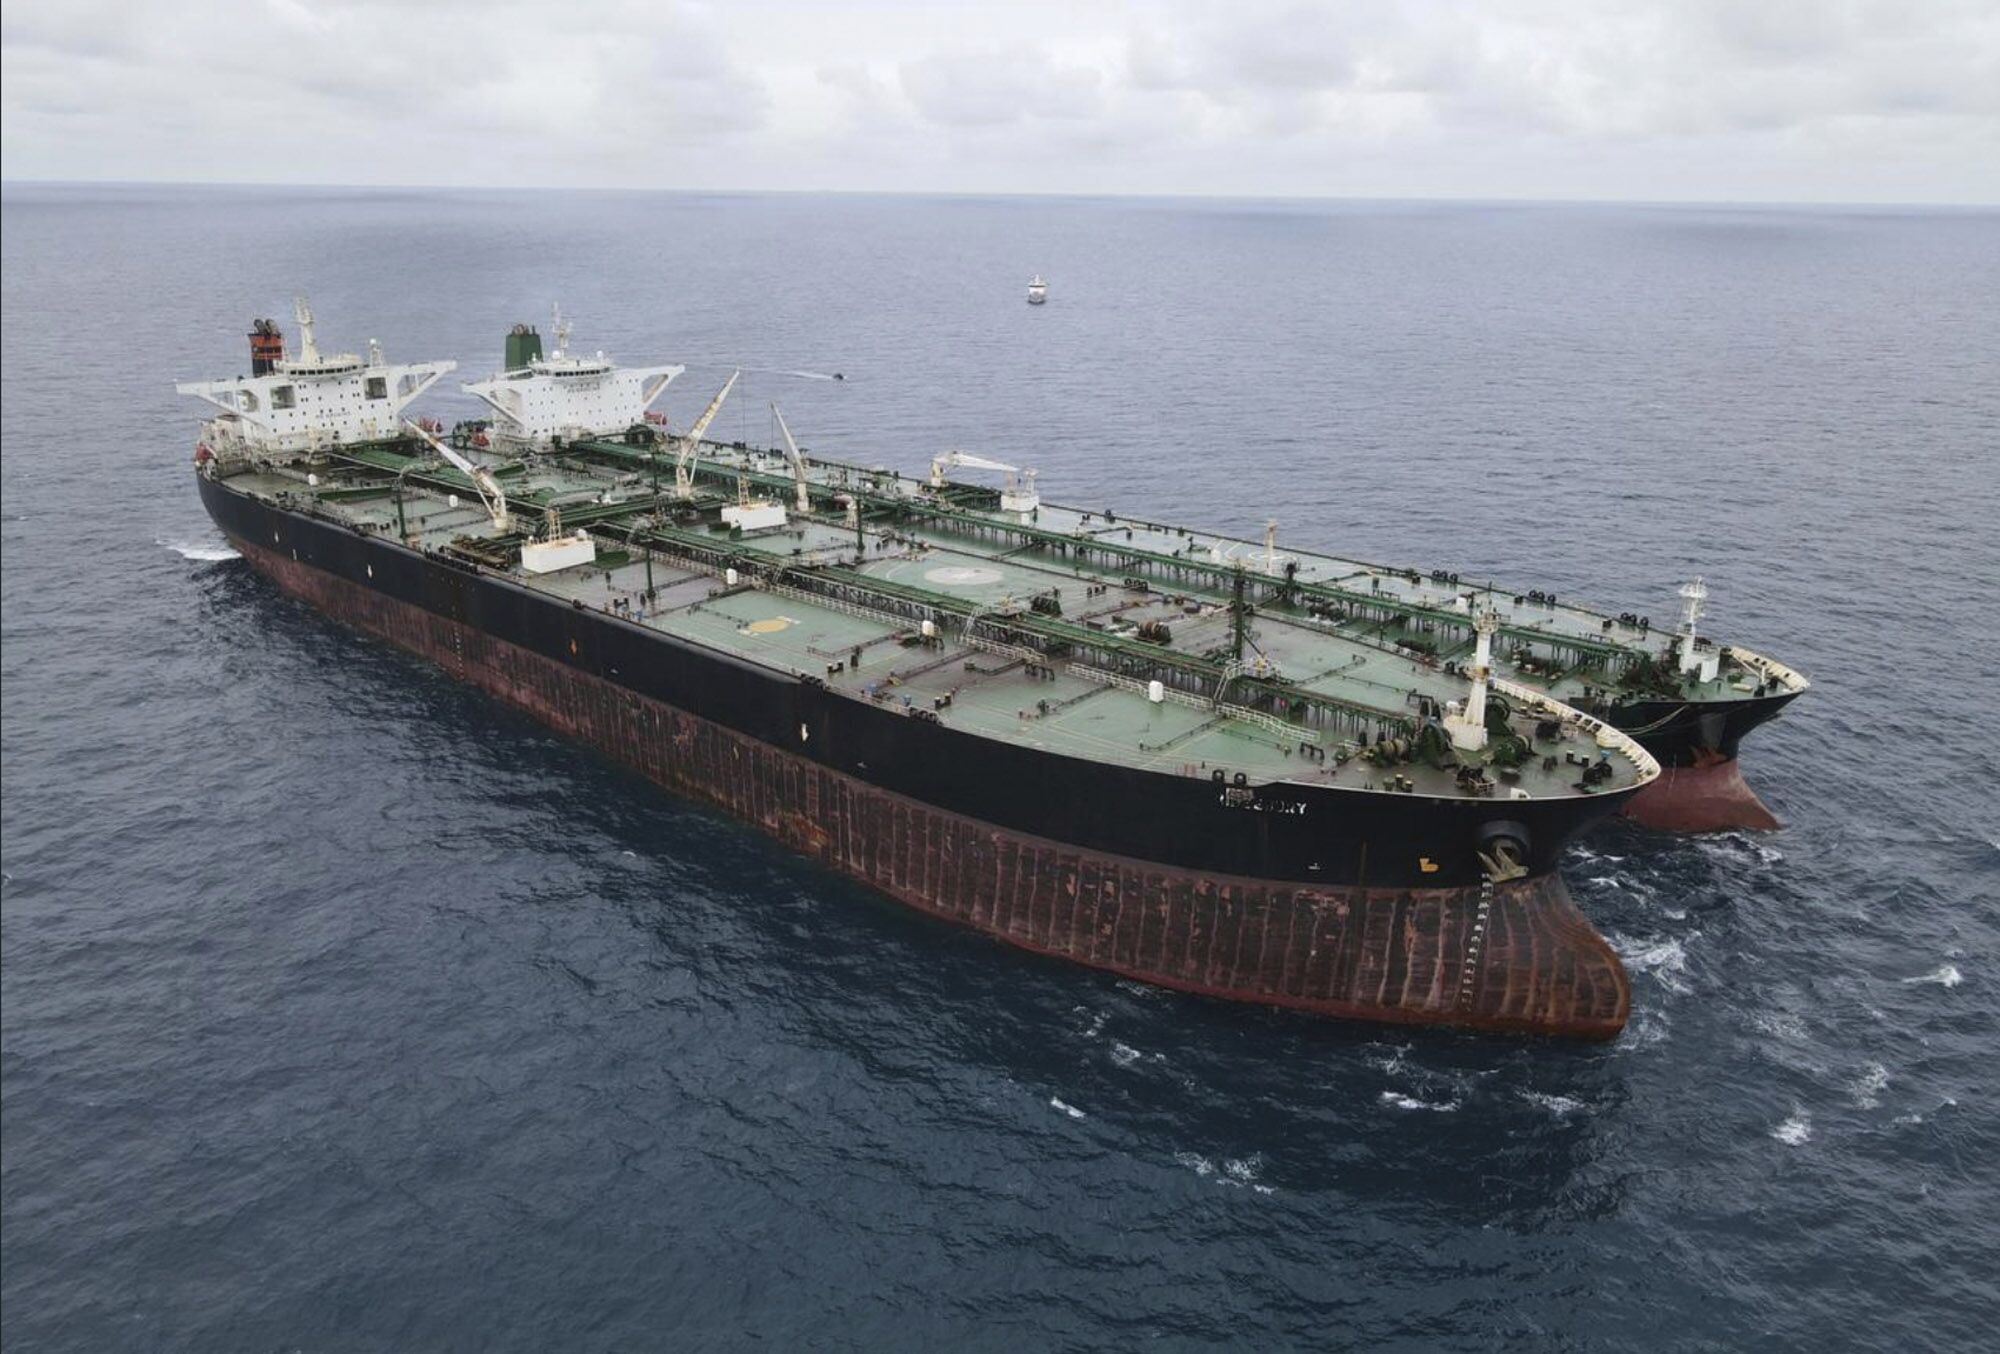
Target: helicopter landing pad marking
x: 962, y: 576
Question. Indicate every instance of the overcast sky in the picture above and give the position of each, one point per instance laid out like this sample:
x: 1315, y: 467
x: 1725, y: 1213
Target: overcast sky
x: 1789, y: 100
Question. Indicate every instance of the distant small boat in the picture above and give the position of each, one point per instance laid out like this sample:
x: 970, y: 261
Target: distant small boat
x: 1038, y: 291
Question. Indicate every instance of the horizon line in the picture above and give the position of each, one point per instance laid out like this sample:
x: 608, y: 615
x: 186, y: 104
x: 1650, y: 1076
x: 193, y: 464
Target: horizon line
x: 1024, y: 194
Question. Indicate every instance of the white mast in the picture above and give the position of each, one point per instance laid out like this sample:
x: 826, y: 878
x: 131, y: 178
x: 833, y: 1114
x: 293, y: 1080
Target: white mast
x: 303, y: 313
x: 560, y: 328
x: 1694, y: 599
x: 1694, y: 605
x: 1468, y: 728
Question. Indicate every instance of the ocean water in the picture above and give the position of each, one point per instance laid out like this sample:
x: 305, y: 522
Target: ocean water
x: 343, y: 1009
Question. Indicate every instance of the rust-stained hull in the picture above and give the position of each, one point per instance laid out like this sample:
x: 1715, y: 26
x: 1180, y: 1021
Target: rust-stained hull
x: 1701, y: 787
x: 1513, y: 957
x: 1709, y: 796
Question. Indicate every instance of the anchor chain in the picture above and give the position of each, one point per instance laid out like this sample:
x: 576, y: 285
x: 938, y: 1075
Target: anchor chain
x: 1468, y: 967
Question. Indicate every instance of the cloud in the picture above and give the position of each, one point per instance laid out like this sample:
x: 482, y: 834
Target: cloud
x: 993, y: 87
x: 1829, y: 99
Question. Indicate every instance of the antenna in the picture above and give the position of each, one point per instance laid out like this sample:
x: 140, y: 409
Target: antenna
x: 560, y: 328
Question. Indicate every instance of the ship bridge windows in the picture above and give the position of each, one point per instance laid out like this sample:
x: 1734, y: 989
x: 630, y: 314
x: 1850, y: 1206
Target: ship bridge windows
x: 377, y: 388
x: 284, y: 397
x: 246, y: 400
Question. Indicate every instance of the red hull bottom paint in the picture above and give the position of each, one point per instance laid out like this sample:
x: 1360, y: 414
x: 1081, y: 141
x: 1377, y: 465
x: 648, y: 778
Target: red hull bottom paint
x: 1517, y: 957
x: 1711, y: 797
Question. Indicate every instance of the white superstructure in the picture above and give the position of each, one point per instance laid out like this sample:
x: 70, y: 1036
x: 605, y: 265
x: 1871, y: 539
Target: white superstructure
x: 1038, y: 291
x: 313, y: 400
x: 538, y: 399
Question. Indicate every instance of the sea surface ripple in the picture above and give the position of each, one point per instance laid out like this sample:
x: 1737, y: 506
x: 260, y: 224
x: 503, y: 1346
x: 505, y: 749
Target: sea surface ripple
x: 345, y: 1009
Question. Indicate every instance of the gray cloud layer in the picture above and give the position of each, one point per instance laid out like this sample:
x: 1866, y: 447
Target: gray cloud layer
x: 1843, y: 100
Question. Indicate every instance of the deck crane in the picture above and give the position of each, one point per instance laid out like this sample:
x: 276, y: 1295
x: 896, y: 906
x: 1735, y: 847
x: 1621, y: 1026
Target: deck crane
x: 691, y: 443
x: 803, y: 501
x: 1018, y: 494
x: 490, y: 492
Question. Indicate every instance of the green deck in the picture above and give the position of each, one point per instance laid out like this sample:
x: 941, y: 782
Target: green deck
x: 847, y: 602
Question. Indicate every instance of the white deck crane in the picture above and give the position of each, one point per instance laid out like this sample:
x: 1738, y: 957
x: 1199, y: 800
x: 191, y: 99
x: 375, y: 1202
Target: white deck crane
x: 803, y: 501
x: 690, y: 444
x: 1018, y: 494
x: 490, y: 492
x: 759, y: 513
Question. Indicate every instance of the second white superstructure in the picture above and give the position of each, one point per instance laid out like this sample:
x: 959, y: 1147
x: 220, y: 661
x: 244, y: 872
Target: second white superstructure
x: 539, y: 400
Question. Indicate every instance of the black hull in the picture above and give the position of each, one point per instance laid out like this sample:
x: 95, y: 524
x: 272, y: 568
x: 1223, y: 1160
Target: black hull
x: 1306, y: 834
x: 1684, y: 735
x: 1340, y: 901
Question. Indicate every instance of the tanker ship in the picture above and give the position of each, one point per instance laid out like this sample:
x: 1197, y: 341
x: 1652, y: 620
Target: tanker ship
x: 1687, y: 698
x: 1209, y: 788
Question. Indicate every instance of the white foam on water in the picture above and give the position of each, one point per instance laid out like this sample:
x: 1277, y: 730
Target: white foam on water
x: 1123, y: 1054
x: 1410, y: 1102
x: 1393, y: 1064
x: 1741, y: 844
x: 1665, y: 959
x: 1780, y: 1024
x: 1867, y: 1087
x: 1944, y: 975
x: 1237, y: 1172
x: 1561, y: 1106
x: 1795, y: 1131
x: 197, y: 550
x: 1072, y: 1111
x: 1242, y: 1171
